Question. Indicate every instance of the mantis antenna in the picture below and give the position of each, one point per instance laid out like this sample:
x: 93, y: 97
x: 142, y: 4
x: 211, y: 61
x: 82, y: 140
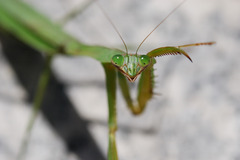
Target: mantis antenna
x: 160, y: 24
x: 115, y: 28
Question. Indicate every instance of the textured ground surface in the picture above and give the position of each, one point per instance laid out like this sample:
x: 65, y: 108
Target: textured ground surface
x: 196, y: 118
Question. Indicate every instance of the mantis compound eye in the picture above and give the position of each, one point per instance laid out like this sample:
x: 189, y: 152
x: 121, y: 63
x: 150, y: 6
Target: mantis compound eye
x: 144, y: 60
x: 118, y: 60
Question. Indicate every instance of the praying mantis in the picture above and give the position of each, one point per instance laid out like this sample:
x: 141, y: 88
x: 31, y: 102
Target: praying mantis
x: 39, y: 32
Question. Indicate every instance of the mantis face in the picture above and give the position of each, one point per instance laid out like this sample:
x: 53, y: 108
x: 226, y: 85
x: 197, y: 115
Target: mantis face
x: 131, y: 65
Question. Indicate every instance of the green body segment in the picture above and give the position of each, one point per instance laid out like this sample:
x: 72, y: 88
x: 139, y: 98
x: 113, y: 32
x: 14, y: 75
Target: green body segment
x: 36, y: 30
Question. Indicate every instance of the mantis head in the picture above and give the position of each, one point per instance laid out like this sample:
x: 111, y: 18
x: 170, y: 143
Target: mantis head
x: 131, y: 65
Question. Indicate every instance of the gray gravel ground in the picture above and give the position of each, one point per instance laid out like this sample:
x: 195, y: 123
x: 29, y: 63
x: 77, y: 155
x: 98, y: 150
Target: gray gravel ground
x: 197, y: 116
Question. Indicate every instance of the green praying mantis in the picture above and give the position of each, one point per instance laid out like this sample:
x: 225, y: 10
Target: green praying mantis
x: 31, y: 27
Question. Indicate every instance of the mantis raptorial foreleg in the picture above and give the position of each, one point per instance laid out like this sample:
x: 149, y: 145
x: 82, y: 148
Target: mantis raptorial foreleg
x: 145, y: 90
x: 146, y: 83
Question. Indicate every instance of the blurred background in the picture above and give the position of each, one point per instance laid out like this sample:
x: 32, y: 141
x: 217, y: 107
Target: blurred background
x: 196, y: 117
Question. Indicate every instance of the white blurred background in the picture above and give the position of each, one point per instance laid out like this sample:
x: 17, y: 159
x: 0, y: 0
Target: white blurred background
x: 197, y: 116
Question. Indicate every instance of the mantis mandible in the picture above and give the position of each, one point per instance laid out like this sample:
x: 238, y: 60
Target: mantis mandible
x: 31, y: 27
